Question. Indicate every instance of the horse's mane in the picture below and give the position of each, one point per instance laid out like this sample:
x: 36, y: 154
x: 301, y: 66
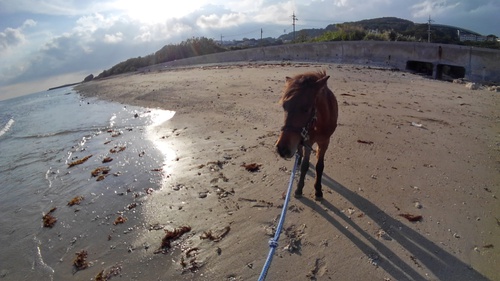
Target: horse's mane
x: 299, y: 82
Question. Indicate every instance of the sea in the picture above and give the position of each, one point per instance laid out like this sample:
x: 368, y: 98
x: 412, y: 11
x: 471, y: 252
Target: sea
x: 40, y: 136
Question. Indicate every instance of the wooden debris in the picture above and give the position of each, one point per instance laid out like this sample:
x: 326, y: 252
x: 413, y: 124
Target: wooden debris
x: 171, y: 236
x: 80, y: 262
x: 48, y: 219
x: 75, y: 201
x: 252, y: 167
x: 79, y: 161
x: 410, y: 217
x: 365, y: 142
x: 216, y: 238
x: 120, y: 220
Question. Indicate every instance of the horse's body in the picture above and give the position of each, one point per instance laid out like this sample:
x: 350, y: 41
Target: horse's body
x: 311, y: 113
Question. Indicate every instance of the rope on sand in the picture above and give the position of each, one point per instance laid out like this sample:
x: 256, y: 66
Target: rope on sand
x: 273, y: 242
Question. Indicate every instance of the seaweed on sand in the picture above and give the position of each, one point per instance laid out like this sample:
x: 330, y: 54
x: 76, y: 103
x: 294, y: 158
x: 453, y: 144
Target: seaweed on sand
x: 80, y: 261
x: 216, y: 238
x: 79, y: 161
x: 115, y: 270
x: 171, y: 236
x: 120, y: 220
x: 410, y: 217
x: 75, y: 201
x: 48, y: 219
x: 252, y: 167
x: 100, y: 170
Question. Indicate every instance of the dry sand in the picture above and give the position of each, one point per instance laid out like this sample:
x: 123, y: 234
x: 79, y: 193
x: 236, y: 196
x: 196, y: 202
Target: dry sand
x: 447, y: 171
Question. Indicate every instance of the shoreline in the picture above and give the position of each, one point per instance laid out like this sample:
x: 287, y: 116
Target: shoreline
x: 228, y: 115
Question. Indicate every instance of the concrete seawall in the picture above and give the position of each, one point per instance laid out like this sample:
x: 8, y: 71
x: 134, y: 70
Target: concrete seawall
x: 439, y: 60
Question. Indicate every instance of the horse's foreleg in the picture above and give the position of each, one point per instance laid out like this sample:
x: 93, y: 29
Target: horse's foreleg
x: 304, y: 167
x: 320, y: 165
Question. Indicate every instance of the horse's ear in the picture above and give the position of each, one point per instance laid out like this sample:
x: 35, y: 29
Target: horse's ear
x: 322, y: 82
x: 288, y: 79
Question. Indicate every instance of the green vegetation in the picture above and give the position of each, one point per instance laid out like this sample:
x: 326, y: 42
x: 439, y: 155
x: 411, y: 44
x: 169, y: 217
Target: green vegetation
x: 189, y: 48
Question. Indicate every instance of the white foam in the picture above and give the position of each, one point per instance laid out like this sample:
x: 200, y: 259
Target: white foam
x: 7, y: 127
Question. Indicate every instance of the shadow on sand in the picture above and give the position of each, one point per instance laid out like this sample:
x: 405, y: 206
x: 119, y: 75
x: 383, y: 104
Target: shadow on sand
x: 422, y: 251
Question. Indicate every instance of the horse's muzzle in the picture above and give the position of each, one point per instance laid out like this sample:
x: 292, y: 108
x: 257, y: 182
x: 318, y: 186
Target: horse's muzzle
x: 284, y: 151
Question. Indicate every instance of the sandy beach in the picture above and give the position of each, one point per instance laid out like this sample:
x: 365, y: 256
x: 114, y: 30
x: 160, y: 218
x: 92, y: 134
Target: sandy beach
x: 405, y: 145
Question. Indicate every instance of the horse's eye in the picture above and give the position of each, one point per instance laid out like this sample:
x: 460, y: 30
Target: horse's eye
x: 306, y: 109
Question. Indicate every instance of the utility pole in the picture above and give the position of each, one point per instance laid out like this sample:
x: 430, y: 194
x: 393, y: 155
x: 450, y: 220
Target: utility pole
x: 294, y: 18
x: 261, y: 34
x: 221, y: 39
x: 429, y: 30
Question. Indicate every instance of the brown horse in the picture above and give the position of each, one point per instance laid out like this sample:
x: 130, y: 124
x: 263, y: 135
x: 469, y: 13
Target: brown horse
x: 311, y: 113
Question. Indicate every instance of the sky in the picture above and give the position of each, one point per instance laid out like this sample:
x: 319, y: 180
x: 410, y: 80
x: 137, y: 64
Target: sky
x: 47, y: 43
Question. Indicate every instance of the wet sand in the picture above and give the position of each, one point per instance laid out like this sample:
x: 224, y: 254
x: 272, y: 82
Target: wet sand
x: 405, y: 145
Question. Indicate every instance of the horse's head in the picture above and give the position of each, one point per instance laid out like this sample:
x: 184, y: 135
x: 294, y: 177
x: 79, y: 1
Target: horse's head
x: 299, y: 103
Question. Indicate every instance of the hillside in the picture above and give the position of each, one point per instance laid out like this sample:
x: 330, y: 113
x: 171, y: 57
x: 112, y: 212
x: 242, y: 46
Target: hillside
x: 407, y: 30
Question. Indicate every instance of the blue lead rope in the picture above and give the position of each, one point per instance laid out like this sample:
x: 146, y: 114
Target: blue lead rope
x: 273, y: 242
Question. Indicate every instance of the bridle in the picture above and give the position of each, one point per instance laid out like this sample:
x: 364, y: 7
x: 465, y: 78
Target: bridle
x: 304, y: 131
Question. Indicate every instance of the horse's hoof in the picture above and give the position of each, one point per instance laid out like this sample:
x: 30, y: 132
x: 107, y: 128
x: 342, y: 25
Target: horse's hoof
x: 318, y: 197
x: 297, y: 195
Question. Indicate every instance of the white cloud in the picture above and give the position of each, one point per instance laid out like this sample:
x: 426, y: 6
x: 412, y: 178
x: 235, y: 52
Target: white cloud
x: 113, y: 38
x: 433, y: 7
x: 12, y: 37
x: 224, y: 21
x: 29, y: 23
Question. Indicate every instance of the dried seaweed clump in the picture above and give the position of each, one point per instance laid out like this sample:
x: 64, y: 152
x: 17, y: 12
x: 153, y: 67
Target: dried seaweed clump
x: 216, y: 238
x: 252, y: 167
x: 120, y: 220
x: 75, y: 201
x: 48, y: 219
x: 171, y: 236
x: 79, y: 161
x: 80, y: 261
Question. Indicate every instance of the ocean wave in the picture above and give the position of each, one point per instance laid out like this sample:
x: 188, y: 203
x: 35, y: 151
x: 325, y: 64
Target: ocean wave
x: 7, y: 126
x: 87, y: 130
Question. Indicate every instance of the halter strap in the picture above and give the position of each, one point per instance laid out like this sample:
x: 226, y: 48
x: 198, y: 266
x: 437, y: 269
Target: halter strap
x: 304, y: 131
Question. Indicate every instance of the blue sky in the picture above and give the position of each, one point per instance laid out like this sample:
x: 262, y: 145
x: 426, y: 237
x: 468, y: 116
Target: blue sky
x: 52, y: 42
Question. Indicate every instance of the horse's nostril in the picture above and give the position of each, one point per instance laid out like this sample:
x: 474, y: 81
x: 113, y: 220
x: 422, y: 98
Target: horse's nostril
x: 283, y: 151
